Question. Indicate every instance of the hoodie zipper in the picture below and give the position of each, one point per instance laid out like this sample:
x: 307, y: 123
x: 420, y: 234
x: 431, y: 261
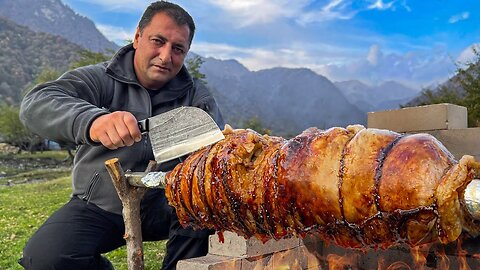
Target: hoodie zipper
x: 93, y: 182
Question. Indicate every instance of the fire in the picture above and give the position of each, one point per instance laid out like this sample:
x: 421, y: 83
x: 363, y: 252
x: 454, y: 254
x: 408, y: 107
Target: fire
x: 337, y: 262
x: 292, y: 259
x: 398, y: 266
x: 462, y: 256
x: 444, y: 261
x: 423, y: 257
x: 419, y: 255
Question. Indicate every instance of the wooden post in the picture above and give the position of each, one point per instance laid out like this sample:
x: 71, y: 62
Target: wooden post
x: 130, y: 197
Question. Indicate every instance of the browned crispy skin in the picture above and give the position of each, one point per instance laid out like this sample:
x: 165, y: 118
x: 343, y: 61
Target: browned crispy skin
x: 234, y: 160
x: 241, y: 177
x: 356, y: 187
x: 272, y: 220
x: 185, y: 184
x: 410, y: 175
x: 207, y: 185
x: 411, y: 171
x: 361, y: 164
x: 171, y: 193
x: 199, y: 199
x: 362, y: 157
x: 257, y: 206
x: 309, y: 182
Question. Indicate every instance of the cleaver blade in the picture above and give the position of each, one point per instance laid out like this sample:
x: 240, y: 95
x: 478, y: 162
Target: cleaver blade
x: 179, y: 132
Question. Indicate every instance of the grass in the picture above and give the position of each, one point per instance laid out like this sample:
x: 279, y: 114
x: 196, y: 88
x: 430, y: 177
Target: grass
x: 24, y: 207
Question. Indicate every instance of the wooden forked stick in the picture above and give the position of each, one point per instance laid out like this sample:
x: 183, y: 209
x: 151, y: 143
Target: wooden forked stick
x: 130, y: 196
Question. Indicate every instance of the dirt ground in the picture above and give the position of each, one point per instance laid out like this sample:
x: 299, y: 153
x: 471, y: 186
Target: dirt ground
x: 20, y: 168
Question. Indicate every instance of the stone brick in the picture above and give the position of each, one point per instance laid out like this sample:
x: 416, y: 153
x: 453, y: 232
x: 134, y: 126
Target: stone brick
x: 459, y: 141
x: 414, y: 119
x: 316, y: 254
x: 238, y: 246
x: 308, y: 258
x: 287, y: 259
x: 399, y: 257
x: 211, y: 262
x: 257, y: 263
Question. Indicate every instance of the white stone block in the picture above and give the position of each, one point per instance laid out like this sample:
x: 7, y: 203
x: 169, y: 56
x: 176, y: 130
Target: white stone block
x: 421, y: 118
x: 238, y: 246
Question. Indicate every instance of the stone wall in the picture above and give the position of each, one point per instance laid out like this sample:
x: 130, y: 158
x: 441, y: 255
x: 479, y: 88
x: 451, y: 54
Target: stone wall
x: 447, y: 122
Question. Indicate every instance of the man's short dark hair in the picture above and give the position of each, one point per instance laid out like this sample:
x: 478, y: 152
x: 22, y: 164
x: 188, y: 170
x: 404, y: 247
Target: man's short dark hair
x: 174, y: 11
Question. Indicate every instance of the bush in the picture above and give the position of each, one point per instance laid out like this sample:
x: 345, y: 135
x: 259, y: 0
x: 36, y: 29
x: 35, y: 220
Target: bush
x: 13, y: 132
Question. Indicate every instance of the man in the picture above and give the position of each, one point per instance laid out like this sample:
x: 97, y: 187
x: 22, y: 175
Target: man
x: 97, y: 108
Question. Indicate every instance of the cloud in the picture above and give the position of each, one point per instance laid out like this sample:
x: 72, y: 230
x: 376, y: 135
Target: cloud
x: 116, y: 34
x: 381, y: 6
x: 251, y: 12
x: 253, y: 58
x: 219, y: 51
x: 459, y: 17
x: 416, y: 69
x: 392, y: 5
x: 123, y: 5
x: 340, y: 59
x: 468, y: 55
x: 334, y: 10
x: 245, y: 13
x: 296, y: 55
x: 346, y: 10
x: 374, y: 55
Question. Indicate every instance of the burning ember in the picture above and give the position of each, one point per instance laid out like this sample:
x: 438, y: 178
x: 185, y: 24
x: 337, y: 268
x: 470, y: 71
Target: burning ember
x: 458, y: 255
x: 424, y: 257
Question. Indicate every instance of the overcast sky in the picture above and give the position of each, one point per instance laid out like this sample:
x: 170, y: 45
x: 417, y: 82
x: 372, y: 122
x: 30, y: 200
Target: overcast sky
x: 416, y: 42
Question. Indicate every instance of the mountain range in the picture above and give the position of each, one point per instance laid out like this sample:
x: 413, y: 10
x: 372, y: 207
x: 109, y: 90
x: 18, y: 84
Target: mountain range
x: 54, y: 17
x: 285, y: 100
x: 388, y: 95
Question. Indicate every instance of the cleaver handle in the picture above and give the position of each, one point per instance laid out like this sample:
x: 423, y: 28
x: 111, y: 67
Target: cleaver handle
x: 143, y: 125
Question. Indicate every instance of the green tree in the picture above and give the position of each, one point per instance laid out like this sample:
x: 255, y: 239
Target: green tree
x: 47, y: 74
x: 89, y: 58
x: 469, y: 79
x: 13, y: 132
x: 443, y: 95
x: 255, y: 124
x: 193, y: 66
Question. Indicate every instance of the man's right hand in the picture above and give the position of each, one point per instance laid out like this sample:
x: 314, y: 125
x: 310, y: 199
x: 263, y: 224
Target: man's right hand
x: 115, y: 130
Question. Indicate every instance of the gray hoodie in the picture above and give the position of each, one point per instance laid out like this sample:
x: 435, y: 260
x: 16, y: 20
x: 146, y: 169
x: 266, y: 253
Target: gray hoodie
x: 63, y: 111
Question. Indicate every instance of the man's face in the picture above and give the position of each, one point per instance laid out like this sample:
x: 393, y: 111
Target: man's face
x: 160, y: 51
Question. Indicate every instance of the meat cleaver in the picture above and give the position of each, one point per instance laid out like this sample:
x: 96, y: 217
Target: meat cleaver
x: 174, y: 134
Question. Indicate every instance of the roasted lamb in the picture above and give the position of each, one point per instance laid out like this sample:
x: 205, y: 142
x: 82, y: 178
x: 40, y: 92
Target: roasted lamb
x: 354, y: 186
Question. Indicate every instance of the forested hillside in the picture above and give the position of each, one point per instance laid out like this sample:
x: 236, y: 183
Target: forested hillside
x: 24, y: 54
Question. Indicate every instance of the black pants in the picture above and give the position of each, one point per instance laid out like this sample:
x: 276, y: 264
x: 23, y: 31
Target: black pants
x: 76, y: 235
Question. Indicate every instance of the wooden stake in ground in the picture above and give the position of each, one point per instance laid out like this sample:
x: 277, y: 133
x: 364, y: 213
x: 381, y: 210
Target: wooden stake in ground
x: 131, y: 197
